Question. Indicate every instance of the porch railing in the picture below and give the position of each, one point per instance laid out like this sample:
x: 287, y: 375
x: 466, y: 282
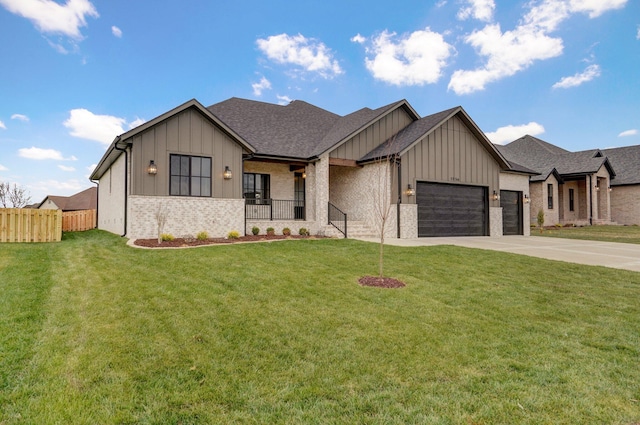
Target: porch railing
x: 338, y: 219
x: 274, y: 209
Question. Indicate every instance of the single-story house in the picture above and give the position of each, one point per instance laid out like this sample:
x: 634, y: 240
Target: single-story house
x: 243, y: 163
x: 580, y: 188
x: 84, y: 200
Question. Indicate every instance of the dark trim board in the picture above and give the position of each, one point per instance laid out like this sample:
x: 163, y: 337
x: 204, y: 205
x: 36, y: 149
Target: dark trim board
x: 452, y: 210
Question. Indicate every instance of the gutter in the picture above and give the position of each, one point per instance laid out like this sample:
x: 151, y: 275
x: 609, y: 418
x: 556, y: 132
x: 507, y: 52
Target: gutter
x: 97, y: 183
x: 399, y: 164
x: 590, y: 202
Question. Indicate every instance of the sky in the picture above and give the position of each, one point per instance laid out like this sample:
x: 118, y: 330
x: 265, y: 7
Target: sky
x: 77, y: 73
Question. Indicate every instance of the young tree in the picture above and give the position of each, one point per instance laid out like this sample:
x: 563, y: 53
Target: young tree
x: 161, y: 218
x: 15, y: 197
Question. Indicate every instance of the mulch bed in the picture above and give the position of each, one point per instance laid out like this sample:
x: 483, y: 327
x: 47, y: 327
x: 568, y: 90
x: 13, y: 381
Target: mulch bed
x: 380, y: 282
x: 186, y: 242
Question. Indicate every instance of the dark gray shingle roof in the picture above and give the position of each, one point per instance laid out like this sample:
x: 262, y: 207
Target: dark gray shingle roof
x: 544, y: 157
x: 626, y: 161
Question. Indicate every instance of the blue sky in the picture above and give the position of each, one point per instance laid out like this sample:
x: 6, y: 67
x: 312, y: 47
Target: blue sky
x: 77, y: 73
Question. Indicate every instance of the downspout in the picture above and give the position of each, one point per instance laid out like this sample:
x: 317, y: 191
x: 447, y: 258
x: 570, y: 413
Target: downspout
x: 590, y: 202
x: 399, y: 164
x: 244, y: 209
x: 97, y: 183
x: 126, y: 184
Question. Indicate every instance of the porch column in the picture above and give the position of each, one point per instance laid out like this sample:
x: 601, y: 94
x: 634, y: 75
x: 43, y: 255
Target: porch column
x: 322, y: 190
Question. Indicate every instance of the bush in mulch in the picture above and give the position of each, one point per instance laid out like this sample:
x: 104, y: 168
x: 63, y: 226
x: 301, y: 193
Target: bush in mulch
x: 185, y: 242
x: 380, y: 282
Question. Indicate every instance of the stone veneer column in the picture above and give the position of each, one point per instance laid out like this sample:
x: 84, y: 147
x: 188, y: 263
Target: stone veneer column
x: 495, y: 221
x: 322, y: 190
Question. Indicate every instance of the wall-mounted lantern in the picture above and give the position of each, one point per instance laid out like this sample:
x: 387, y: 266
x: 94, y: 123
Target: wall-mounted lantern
x: 597, y: 188
x: 410, y: 190
x: 152, y: 168
x: 304, y: 174
x: 495, y: 196
x: 609, y: 189
x: 227, y: 173
x: 526, y: 199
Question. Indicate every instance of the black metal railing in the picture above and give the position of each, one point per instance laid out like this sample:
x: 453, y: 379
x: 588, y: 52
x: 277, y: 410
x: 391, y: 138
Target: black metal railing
x: 338, y: 219
x: 274, y: 209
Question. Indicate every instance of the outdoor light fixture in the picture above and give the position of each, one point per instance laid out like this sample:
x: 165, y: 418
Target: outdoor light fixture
x: 526, y: 199
x: 495, y: 196
x: 609, y: 189
x: 227, y: 173
x: 152, y: 168
x: 597, y: 188
x: 410, y: 191
x: 304, y: 174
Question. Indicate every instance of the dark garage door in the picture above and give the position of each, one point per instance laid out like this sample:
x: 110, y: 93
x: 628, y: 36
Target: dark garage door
x: 451, y: 210
x: 511, y: 203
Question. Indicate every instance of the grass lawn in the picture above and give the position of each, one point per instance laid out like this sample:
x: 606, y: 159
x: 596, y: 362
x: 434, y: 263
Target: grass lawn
x: 95, y: 332
x: 626, y: 234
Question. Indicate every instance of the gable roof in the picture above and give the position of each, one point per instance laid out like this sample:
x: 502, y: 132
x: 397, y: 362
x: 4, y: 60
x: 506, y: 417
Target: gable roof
x: 115, y: 149
x: 546, y: 158
x: 296, y: 130
x: 85, y: 200
x: 627, y: 163
x: 418, y: 130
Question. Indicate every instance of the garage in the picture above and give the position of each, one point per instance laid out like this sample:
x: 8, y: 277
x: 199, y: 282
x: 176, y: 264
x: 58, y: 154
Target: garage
x: 452, y: 210
x: 511, y: 203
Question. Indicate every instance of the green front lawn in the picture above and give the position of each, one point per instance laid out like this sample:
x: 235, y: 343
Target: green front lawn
x: 625, y: 234
x: 95, y: 332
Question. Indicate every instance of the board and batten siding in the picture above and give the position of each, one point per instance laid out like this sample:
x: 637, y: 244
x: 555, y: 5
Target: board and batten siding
x: 372, y: 136
x: 450, y: 154
x: 187, y: 133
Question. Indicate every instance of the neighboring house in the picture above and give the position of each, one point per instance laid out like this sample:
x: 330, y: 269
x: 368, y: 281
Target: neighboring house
x: 580, y: 188
x: 242, y: 163
x: 85, y: 200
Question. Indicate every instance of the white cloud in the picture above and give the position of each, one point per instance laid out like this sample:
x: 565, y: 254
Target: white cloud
x: 3, y: 168
x: 137, y: 122
x: 92, y: 167
x: 358, y: 39
x: 42, y: 154
x: 478, y: 9
x: 592, y: 71
x: 284, y: 100
x: 87, y: 125
x: 638, y: 34
x: 54, y: 18
x: 308, y: 53
x: 513, y: 51
x: 264, y: 84
x: 596, y: 8
x: 628, y: 133
x: 20, y: 117
x: 416, y: 59
x: 2, y: 126
x: 116, y: 31
x: 510, y: 133
x: 66, y: 168
x: 60, y: 188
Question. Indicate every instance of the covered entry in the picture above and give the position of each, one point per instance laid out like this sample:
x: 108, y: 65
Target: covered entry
x: 511, y: 203
x: 452, y: 210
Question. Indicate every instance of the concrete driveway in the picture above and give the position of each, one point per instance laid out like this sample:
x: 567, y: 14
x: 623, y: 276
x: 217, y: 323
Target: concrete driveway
x: 608, y: 254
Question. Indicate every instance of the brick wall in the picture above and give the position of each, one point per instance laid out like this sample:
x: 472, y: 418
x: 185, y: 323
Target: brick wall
x: 186, y: 216
x: 625, y: 204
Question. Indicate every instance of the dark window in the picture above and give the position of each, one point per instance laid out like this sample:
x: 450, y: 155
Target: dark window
x: 550, y: 196
x: 190, y: 176
x: 256, y: 186
x: 571, y: 199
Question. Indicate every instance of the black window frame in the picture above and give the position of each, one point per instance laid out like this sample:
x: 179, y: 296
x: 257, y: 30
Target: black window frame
x: 187, y: 176
x: 571, y: 200
x: 249, y: 189
x: 550, y: 196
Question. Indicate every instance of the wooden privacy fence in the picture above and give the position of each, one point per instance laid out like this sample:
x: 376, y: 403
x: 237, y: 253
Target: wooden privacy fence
x: 77, y: 221
x: 30, y: 225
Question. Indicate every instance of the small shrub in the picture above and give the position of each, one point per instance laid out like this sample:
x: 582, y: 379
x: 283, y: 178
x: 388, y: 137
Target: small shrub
x: 233, y: 234
x: 167, y: 237
x: 255, y: 230
x: 286, y: 231
x: 558, y: 225
x: 540, y: 218
x: 202, y: 236
x: 303, y: 231
x: 270, y: 231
